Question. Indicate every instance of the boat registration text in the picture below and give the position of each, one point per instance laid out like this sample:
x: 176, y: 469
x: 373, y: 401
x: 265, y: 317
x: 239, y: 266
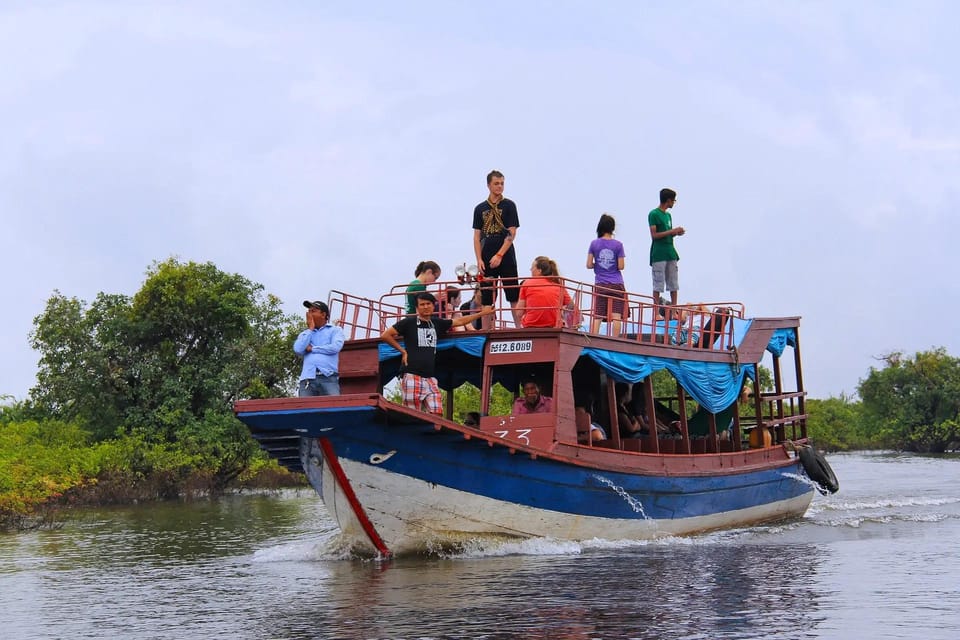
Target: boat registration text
x: 512, y: 346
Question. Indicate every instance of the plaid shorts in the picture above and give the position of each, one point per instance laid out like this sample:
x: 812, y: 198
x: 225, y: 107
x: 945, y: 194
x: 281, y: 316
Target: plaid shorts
x: 421, y: 393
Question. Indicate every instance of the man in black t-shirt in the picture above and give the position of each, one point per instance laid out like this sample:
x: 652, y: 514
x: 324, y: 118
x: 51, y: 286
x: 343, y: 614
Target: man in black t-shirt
x: 419, y: 351
x: 495, y: 223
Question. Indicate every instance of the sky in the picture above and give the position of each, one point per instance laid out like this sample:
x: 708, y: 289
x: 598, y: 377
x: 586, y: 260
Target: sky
x: 310, y: 146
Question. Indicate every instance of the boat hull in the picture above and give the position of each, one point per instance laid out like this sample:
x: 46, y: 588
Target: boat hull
x: 397, y: 485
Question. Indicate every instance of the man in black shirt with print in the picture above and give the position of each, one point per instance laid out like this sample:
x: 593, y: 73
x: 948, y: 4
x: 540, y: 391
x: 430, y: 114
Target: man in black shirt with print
x: 419, y: 351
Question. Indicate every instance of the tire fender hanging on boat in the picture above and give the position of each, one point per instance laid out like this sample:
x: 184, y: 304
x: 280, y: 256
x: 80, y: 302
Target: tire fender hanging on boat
x: 818, y: 469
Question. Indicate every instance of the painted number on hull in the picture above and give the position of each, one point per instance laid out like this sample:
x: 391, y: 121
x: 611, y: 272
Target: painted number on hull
x: 512, y: 346
x: 519, y: 434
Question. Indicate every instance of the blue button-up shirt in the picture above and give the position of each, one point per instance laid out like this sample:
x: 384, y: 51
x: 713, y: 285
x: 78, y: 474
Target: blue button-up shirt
x: 324, y: 355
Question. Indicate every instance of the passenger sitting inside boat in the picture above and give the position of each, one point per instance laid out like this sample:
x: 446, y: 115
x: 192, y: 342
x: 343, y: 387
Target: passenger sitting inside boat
x: 542, y: 296
x: 631, y: 425
x: 532, y: 401
x: 472, y: 419
x: 585, y: 425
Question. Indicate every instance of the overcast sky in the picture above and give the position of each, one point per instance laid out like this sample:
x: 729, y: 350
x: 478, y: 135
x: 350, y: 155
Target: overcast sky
x: 309, y: 146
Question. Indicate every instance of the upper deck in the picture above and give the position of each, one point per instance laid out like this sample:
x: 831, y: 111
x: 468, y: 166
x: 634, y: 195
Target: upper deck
x: 705, y: 325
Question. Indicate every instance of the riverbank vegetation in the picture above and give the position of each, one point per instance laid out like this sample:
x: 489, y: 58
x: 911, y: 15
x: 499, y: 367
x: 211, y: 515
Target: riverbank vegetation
x: 134, y: 397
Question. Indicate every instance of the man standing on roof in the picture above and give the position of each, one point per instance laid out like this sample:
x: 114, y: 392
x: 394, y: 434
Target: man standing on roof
x: 495, y: 223
x: 419, y: 351
x: 319, y: 345
x: 663, y: 255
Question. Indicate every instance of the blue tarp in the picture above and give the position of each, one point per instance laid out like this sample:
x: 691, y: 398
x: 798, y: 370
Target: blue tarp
x: 472, y: 345
x: 715, y: 385
x: 780, y: 339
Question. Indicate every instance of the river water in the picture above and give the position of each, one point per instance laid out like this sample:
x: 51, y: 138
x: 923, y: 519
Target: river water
x: 880, y: 559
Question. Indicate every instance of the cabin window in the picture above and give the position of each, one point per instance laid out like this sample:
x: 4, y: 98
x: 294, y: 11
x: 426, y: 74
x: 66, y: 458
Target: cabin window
x: 507, y: 385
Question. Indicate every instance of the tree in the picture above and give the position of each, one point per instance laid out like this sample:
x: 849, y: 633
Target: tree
x: 914, y: 403
x: 168, y: 362
x: 837, y: 424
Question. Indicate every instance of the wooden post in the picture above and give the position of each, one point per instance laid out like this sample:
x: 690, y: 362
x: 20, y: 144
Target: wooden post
x: 714, y: 441
x: 612, y: 412
x: 735, y: 432
x: 799, y: 369
x: 684, y: 431
x: 778, y: 387
x: 652, y: 443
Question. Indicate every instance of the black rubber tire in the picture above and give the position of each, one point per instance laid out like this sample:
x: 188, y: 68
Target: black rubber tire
x: 818, y: 469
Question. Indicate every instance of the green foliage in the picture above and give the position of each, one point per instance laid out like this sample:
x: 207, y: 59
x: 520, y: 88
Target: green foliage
x: 166, y: 365
x: 914, y: 403
x: 466, y: 398
x: 837, y: 424
x: 40, y: 461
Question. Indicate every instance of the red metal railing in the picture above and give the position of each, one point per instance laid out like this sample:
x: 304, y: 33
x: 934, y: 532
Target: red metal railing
x: 699, y: 326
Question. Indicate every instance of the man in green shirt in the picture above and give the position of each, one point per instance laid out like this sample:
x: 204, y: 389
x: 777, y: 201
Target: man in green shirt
x: 663, y: 255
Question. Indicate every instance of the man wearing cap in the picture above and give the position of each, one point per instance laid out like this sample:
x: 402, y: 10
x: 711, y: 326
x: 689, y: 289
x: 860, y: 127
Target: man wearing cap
x: 319, y: 346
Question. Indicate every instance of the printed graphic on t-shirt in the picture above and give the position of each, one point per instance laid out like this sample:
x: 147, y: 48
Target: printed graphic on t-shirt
x: 427, y: 337
x: 606, y: 259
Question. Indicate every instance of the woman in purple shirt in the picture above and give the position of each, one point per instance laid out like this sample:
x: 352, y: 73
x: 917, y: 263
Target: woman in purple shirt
x: 605, y: 257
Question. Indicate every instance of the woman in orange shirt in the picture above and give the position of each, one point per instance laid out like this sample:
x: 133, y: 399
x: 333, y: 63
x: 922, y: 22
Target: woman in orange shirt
x: 542, y: 297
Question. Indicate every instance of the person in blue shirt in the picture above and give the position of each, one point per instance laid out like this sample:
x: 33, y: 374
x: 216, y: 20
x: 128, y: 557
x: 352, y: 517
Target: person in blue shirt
x: 319, y: 346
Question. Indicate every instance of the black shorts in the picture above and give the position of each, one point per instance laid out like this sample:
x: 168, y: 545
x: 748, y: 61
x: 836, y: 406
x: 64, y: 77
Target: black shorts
x: 506, y: 273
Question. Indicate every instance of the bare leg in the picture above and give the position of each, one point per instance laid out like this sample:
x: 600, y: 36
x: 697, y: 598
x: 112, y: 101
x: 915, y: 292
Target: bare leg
x: 516, y: 316
x: 617, y: 325
x: 486, y: 322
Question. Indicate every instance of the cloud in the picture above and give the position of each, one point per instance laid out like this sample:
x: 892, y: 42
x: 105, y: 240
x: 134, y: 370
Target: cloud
x: 318, y: 147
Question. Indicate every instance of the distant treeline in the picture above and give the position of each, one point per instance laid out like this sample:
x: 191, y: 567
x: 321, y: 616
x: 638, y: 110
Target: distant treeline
x: 134, y: 396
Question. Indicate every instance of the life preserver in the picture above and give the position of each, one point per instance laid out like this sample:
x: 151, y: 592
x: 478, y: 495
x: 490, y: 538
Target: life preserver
x: 818, y: 469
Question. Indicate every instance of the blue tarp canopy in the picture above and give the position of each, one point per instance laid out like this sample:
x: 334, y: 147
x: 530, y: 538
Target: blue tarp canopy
x: 715, y: 385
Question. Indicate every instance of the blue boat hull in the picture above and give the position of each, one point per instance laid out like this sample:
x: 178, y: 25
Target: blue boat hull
x: 397, y: 485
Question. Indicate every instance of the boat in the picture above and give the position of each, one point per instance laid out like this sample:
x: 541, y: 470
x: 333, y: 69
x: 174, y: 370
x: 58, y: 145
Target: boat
x: 398, y: 480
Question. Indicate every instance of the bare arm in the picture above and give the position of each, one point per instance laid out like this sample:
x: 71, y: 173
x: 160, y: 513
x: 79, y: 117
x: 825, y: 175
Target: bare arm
x: 590, y: 261
x: 476, y: 250
x: 507, y: 243
x: 390, y: 337
x: 463, y: 320
x: 656, y: 235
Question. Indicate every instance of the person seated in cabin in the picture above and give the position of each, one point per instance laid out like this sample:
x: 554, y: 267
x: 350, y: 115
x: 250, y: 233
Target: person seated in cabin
x: 587, y: 429
x: 426, y: 273
x: 472, y: 419
x: 542, y: 297
x: 532, y: 401
x: 631, y: 425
